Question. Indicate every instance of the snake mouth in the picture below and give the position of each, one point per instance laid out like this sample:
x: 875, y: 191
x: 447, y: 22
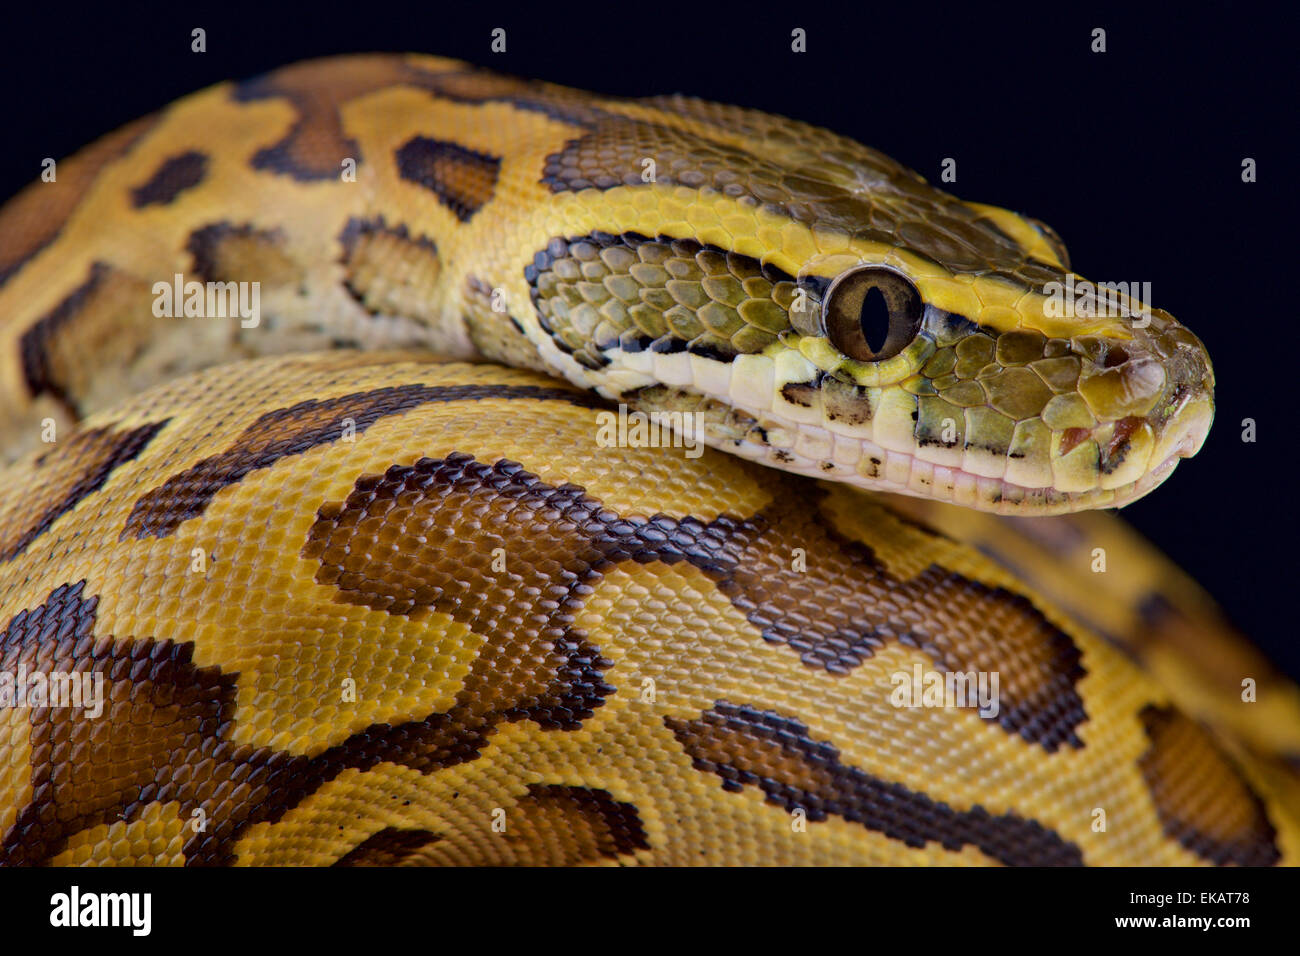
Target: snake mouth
x: 860, y: 462
x: 1106, y: 438
x: 919, y: 479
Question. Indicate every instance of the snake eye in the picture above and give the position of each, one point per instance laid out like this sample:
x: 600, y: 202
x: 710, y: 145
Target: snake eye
x: 872, y: 313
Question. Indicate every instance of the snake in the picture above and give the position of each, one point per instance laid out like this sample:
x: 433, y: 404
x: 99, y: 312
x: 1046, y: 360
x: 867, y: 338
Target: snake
x: 335, y: 531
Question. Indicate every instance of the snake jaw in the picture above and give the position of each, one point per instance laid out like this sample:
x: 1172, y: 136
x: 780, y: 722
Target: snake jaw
x: 1091, y: 422
x: 1154, y: 397
x: 1111, y: 430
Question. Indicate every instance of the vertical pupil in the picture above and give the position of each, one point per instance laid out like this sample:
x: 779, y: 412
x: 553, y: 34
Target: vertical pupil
x: 875, y: 319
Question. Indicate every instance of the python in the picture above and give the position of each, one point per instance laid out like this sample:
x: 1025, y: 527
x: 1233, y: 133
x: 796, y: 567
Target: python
x: 398, y: 484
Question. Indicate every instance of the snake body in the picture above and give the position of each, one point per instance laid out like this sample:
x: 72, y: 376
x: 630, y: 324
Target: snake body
x: 362, y: 586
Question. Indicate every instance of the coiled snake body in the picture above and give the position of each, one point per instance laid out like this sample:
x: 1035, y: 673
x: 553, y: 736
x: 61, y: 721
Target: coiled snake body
x: 353, y: 600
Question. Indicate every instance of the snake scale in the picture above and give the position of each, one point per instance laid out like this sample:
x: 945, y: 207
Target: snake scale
x: 356, y: 583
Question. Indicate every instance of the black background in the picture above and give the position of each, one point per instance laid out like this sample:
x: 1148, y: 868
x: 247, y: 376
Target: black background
x: 365, y: 910
x: 1133, y: 156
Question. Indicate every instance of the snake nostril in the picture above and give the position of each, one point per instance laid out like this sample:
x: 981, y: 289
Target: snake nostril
x: 1115, y: 355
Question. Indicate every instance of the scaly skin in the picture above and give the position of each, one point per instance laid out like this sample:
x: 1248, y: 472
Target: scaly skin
x: 507, y: 219
x: 472, y: 614
x: 364, y: 607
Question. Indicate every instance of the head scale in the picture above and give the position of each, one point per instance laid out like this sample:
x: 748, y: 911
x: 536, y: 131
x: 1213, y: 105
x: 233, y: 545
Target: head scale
x: 825, y: 310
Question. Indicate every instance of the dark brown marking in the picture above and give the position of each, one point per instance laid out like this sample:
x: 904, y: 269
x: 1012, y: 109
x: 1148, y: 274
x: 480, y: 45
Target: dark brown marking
x: 63, y: 476
x: 1202, y: 798
x: 1071, y: 438
x: 294, y: 430
x: 404, y: 524
x: 1116, y: 450
x: 803, y: 394
x: 166, y: 713
x: 844, y: 401
x: 33, y: 346
x: 476, y: 85
x: 226, y: 252
x: 34, y: 218
x: 316, y: 144
x: 844, y: 607
x: 612, y: 155
x: 169, y: 180
x: 104, y: 321
x: 164, y: 736
x: 462, y: 179
x: 576, y: 824
x: 388, y: 270
x: 747, y: 746
x: 159, y: 711
x: 386, y: 547
x: 389, y: 847
x: 356, y: 231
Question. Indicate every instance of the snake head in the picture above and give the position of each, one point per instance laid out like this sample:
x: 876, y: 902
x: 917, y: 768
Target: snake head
x: 1024, y: 391
x: 822, y: 309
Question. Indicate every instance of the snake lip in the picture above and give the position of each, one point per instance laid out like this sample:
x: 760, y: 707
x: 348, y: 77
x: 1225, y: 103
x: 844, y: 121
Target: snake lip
x: 1168, y: 464
x: 1186, y: 449
x: 925, y: 479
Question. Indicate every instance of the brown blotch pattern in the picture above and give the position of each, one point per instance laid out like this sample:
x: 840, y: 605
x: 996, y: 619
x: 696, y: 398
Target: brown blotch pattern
x: 841, y: 609
x: 612, y: 154
x: 163, y: 736
x: 746, y: 746
x: 33, y: 346
x: 843, y: 401
x: 63, y: 476
x: 463, y: 180
x: 294, y: 430
x: 229, y: 252
x: 1113, y: 453
x: 803, y: 394
x: 316, y: 144
x: 387, y: 546
x: 1071, y: 438
x: 391, y: 846
x: 574, y: 825
x: 498, y: 336
x: 156, y: 740
x: 1202, y: 798
x: 475, y: 85
x: 169, y: 180
x: 103, y: 322
x: 34, y: 218
x: 422, y: 537
x: 553, y: 824
x: 388, y: 270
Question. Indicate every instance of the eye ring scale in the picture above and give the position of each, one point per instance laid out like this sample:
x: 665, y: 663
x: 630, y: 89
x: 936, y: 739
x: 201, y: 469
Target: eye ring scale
x: 872, y: 312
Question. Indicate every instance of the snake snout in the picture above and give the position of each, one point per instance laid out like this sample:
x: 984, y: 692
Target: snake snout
x: 1152, y: 392
x: 1182, y: 415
